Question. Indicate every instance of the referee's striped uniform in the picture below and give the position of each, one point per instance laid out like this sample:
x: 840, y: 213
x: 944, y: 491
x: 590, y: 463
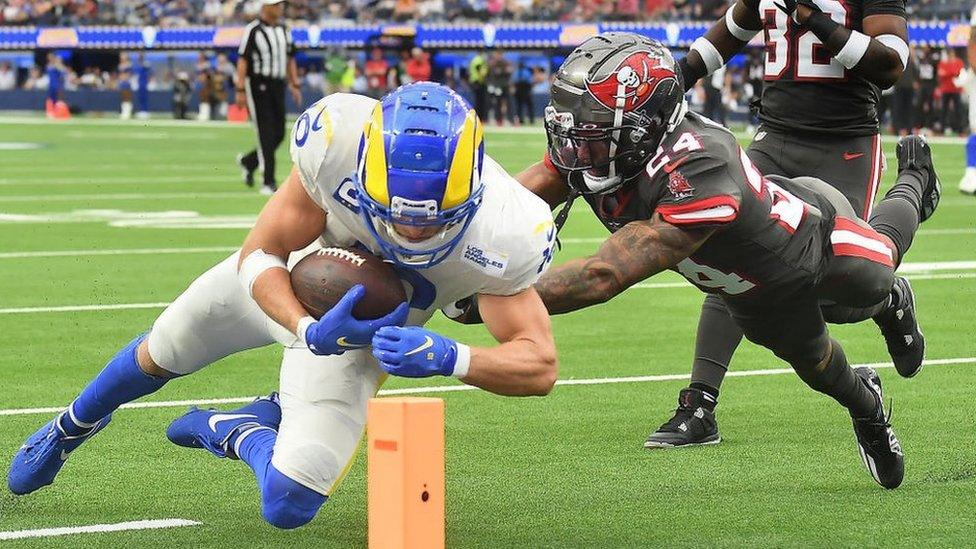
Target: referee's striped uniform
x: 267, y: 50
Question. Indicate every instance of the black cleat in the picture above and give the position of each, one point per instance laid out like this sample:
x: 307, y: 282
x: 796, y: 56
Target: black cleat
x: 899, y: 326
x: 691, y: 425
x: 914, y: 153
x: 247, y: 174
x: 876, y: 440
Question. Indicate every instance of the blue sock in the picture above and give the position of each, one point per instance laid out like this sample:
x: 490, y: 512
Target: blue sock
x: 119, y: 382
x: 284, y: 502
x: 971, y: 151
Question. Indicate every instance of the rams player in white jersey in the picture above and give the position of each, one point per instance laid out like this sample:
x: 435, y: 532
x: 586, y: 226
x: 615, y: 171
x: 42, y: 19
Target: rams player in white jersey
x: 415, y: 187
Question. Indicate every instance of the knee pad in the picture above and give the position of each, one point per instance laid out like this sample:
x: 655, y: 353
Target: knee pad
x: 287, y: 504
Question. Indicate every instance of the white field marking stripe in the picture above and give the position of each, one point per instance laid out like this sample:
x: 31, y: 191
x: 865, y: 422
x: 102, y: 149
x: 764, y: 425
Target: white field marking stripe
x: 928, y: 232
x: 160, y: 305
x: 78, y: 308
x: 455, y: 388
x: 117, y: 180
x: 98, y: 528
x: 124, y: 196
x: 132, y: 251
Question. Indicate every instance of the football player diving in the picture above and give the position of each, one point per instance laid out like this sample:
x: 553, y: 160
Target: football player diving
x: 825, y: 65
x: 785, y: 256
x: 405, y: 178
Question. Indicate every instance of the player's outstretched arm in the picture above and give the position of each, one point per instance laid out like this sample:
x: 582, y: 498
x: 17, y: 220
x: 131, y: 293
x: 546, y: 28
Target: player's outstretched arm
x: 724, y: 39
x: 523, y: 364
x: 544, y: 182
x: 637, y: 251
x: 879, y: 54
x: 289, y: 221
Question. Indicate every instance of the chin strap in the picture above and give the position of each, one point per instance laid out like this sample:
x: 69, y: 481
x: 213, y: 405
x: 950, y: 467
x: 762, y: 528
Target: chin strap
x: 564, y: 213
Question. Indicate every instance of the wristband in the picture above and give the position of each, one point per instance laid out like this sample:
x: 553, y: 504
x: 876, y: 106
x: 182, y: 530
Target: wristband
x: 855, y: 48
x: 896, y: 43
x: 709, y: 55
x: 735, y: 30
x: 463, y: 361
x: 303, y: 324
x: 256, y: 263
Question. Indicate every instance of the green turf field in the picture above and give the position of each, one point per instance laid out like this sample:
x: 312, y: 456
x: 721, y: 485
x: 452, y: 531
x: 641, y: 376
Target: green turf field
x: 109, y: 214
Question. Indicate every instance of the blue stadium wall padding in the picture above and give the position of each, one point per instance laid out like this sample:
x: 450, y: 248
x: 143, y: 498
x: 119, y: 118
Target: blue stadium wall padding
x: 433, y: 35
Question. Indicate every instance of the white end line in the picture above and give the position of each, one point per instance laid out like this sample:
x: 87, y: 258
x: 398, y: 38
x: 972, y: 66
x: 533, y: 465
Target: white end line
x: 98, y: 528
x: 456, y: 387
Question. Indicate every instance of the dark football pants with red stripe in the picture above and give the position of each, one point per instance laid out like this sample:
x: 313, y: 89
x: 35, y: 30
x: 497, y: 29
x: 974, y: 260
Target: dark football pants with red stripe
x: 851, y: 164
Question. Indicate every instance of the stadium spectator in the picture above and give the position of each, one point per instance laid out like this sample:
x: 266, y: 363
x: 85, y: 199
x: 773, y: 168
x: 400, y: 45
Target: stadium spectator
x: 8, y: 78
x: 336, y: 67
x: 927, y: 62
x: 524, y: 113
x: 903, y: 100
x: 55, y: 77
x: 499, y: 80
x: 717, y: 91
x: 143, y: 78
x: 376, y: 71
x: 949, y: 69
x: 182, y: 91
x: 477, y: 80
x: 418, y: 66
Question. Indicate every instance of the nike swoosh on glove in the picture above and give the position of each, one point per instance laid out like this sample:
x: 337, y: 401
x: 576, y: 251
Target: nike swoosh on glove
x: 414, y: 352
x: 338, y: 331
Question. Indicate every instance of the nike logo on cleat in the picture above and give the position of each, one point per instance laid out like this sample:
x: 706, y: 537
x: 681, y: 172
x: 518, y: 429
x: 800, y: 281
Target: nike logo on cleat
x: 215, y: 419
x: 852, y: 155
x: 428, y: 343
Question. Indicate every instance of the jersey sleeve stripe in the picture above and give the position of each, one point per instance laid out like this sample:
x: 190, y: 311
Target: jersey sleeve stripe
x: 716, y: 209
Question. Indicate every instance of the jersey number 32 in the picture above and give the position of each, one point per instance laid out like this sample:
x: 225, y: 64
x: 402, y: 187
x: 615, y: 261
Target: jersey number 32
x: 795, y: 53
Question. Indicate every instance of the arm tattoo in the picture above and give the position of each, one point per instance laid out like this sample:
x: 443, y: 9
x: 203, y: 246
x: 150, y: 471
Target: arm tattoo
x: 637, y: 251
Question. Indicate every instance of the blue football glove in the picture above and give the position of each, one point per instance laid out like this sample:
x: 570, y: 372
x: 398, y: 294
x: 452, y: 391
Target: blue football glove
x: 414, y: 352
x: 338, y: 331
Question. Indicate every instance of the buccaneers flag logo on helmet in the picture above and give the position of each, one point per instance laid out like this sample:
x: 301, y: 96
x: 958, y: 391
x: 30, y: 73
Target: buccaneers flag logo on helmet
x: 632, y: 83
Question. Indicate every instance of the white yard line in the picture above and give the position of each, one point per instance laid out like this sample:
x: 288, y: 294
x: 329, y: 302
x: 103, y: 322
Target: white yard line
x: 78, y: 308
x: 113, y: 180
x: 927, y: 232
x: 458, y: 387
x: 129, y: 251
x: 125, y: 196
x: 98, y: 528
x: 162, y: 304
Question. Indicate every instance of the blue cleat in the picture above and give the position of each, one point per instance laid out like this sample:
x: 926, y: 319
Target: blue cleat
x: 212, y: 429
x: 40, y: 458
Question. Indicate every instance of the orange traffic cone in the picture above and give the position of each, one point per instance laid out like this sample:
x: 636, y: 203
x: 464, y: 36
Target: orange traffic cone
x: 61, y: 111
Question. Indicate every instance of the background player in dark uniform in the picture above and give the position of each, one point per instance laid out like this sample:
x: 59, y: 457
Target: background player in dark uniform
x: 825, y: 63
x: 678, y: 193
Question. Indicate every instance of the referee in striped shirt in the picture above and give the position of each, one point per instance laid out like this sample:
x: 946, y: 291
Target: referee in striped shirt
x: 266, y: 63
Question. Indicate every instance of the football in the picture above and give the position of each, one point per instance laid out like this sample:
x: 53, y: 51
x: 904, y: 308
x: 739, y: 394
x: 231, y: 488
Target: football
x: 320, y: 280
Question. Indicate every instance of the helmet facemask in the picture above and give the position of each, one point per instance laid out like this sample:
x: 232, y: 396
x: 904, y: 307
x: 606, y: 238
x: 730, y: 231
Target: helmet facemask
x: 598, y: 158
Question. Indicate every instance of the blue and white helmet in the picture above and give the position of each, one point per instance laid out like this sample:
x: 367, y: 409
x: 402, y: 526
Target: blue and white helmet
x: 420, y: 161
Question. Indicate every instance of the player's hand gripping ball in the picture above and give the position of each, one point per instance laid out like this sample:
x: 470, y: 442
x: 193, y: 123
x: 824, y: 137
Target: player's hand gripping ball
x: 351, y: 293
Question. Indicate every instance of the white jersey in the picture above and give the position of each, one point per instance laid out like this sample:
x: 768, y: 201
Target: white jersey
x: 506, y: 248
